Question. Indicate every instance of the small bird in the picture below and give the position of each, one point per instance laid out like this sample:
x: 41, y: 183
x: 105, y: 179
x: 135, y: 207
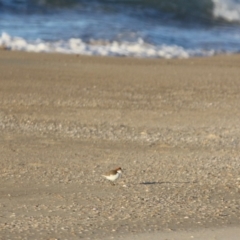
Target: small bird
x: 113, y: 175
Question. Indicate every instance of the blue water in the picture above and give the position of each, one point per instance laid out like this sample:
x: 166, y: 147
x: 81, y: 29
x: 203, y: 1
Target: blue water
x: 139, y: 28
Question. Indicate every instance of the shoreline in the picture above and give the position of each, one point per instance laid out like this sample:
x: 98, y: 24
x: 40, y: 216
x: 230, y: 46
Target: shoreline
x: 171, y: 124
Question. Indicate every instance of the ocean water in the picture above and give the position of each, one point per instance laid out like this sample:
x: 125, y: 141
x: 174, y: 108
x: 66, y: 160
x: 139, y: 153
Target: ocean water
x: 136, y: 28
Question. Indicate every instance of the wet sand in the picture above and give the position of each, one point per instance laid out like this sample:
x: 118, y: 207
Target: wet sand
x: 172, y: 125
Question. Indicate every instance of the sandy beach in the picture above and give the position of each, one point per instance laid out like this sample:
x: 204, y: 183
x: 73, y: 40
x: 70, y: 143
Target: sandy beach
x: 172, y: 125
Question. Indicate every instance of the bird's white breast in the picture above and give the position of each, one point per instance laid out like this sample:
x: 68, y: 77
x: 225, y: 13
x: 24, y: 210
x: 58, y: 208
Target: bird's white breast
x: 113, y: 177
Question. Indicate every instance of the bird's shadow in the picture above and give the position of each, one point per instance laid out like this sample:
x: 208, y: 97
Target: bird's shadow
x: 152, y: 183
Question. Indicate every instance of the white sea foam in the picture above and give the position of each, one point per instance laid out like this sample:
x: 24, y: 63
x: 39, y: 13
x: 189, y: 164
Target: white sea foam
x: 102, y: 48
x: 227, y: 9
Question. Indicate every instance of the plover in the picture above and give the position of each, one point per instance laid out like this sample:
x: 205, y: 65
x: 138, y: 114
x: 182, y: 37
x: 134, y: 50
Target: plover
x: 113, y: 175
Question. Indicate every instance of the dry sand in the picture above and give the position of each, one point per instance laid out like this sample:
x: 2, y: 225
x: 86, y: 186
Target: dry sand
x: 172, y: 125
